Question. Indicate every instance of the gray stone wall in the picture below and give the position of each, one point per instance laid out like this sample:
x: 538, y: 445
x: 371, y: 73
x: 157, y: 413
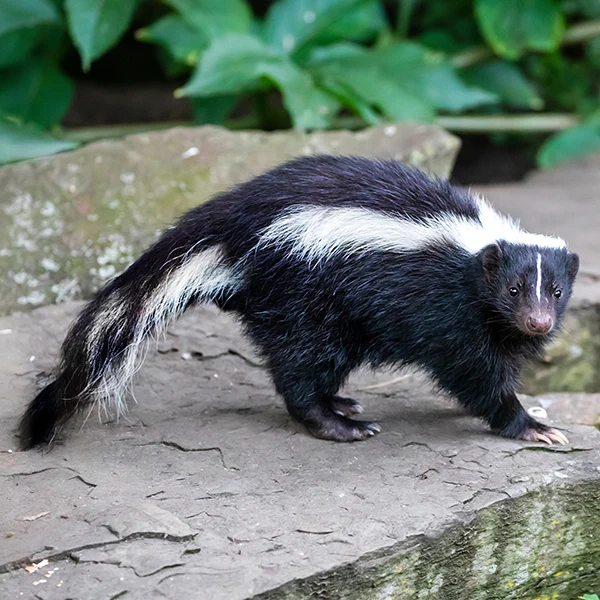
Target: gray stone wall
x: 71, y: 221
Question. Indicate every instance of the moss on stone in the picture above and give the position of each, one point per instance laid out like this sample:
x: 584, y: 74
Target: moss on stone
x: 542, y: 545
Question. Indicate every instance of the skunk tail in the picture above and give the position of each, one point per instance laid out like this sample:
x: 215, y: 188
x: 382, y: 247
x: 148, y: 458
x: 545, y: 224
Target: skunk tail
x: 102, y: 349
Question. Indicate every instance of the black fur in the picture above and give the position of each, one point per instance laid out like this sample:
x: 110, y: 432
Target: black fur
x: 442, y: 308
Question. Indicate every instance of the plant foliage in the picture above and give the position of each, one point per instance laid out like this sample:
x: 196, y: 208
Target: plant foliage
x: 375, y: 60
x: 19, y: 141
x: 514, y: 26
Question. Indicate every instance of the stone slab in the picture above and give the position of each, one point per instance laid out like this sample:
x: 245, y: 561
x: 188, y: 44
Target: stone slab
x: 71, y: 221
x: 208, y: 490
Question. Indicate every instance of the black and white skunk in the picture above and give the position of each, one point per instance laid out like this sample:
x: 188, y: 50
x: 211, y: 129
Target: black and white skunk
x: 331, y: 263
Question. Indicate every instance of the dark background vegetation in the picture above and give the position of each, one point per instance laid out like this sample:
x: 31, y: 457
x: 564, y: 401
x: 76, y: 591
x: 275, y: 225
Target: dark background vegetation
x: 518, y: 80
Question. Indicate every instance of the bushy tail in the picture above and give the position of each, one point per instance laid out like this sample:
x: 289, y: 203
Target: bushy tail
x: 102, y: 349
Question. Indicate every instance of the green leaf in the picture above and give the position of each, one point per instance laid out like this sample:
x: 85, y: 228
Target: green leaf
x: 430, y: 75
x: 436, y: 14
x: 173, y: 69
x: 359, y: 70
x: 350, y: 99
x: 238, y: 63
x: 213, y: 110
x: 16, y: 45
x: 215, y: 17
x: 292, y: 24
x: 440, y: 40
x: 403, y: 80
x: 360, y: 24
x: 569, y: 145
x: 232, y: 64
x: 507, y: 81
x: 36, y: 91
x: 24, y: 14
x: 22, y: 25
x: 19, y: 142
x: 567, y: 84
x: 183, y: 42
x: 590, y: 597
x: 455, y: 18
x: 513, y: 26
x: 337, y: 52
x: 97, y: 25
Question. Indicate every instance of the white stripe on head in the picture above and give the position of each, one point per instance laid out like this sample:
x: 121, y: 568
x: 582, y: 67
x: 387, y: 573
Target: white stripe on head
x: 316, y: 233
x: 538, y: 283
x: 501, y: 228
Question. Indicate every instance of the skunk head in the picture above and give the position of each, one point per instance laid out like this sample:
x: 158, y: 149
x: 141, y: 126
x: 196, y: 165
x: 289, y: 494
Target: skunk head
x: 528, y: 286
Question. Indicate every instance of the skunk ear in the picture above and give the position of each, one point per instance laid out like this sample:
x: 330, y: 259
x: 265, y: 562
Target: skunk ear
x: 572, y: 266
x: 490, y: 261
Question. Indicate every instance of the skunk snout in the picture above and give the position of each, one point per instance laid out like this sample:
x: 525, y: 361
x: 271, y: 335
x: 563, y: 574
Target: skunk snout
x: 540, y: 323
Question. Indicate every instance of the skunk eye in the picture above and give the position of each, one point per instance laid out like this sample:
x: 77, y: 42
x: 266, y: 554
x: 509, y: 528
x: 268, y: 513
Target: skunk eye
x: 557, y: 293
x: 513, y: 291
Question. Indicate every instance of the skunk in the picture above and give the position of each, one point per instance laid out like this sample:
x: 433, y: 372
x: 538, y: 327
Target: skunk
x: 331, y: 263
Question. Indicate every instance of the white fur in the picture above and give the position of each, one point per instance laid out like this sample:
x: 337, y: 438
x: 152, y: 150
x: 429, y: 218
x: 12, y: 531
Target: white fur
x: 204, y: 274
x: 499, y: 227
x: 315, y: 233
x: 538, y: 281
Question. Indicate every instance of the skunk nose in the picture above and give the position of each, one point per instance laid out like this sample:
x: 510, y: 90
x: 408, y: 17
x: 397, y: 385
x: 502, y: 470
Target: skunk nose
x: 540, y: 324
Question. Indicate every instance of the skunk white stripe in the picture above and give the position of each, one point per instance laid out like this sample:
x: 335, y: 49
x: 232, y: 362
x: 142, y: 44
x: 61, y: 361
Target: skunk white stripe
x: 499, y: 227
x: 538, y: 282
x: 203, y: 274
x: 316, y: 233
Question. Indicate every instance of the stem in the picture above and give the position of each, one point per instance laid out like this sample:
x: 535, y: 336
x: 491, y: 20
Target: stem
x: 471, y: 57
x: 574, y: 35
x: 523, y: 123
x: 581, y: 32
x: 468, y: 124
x: 515, y: 123
x: 405, y: 9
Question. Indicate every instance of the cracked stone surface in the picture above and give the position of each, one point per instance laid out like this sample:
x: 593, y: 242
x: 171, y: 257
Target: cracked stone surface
x: 208, y: 485
x: 209, y: 490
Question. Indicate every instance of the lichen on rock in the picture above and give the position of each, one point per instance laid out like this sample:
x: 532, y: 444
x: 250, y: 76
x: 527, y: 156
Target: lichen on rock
x: 71, y: 221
